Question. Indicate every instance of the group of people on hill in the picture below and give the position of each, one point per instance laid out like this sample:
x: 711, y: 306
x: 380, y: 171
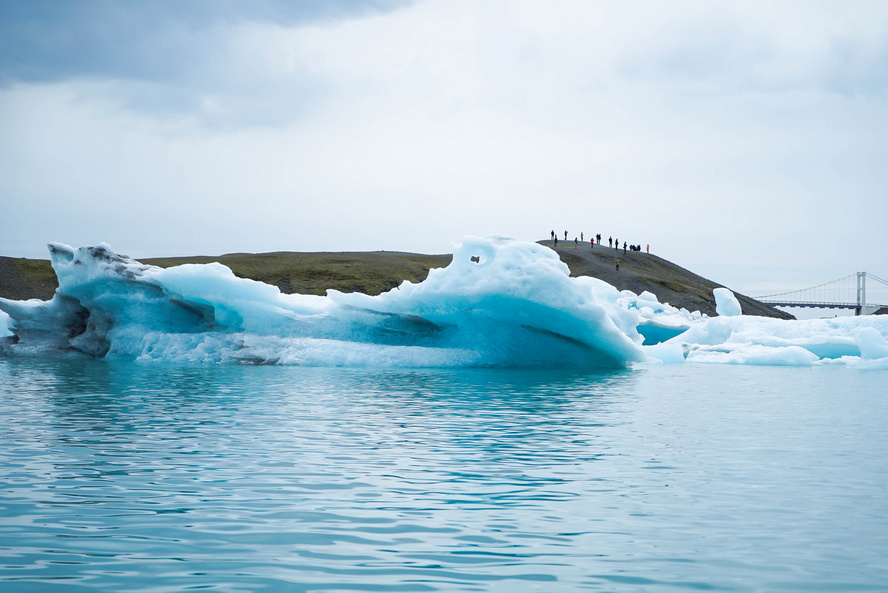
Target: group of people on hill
x: 611, y: 242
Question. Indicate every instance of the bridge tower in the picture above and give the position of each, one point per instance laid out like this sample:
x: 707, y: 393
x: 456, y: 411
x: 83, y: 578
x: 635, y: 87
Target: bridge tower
x: 861, y: 293
x: 862, y: 308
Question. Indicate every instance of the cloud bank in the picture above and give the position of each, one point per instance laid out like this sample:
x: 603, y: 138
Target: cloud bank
x: 739, y: 139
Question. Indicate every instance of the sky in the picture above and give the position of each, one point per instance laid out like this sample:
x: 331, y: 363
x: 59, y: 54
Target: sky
x: 745, y: 141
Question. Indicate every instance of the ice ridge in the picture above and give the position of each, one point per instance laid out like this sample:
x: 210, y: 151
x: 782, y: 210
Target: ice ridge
x: 500, y: 303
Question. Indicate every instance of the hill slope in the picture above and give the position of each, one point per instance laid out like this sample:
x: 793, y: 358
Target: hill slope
x: 641, y: 271
x: 378, y: 271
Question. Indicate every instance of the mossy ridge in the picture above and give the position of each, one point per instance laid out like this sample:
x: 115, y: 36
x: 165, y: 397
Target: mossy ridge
x: 375, y: 272
x: 371, y: 273
x: 22, y: 279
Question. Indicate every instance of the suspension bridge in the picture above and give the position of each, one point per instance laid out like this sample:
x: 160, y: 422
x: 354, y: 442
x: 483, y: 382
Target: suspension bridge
x: 848, y: 292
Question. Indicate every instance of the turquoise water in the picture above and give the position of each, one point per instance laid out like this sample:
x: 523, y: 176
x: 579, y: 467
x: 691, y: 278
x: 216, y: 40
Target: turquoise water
x: 141, y: 477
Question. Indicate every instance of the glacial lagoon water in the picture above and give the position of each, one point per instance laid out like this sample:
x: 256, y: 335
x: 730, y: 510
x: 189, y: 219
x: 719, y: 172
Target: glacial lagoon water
x: 123, y: 476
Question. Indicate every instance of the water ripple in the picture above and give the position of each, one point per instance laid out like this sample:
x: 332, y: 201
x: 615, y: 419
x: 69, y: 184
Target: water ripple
x: 127, y: 477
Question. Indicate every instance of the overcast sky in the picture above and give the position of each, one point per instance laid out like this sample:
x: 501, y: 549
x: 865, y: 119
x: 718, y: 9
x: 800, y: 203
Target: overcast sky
x: 746, y: 141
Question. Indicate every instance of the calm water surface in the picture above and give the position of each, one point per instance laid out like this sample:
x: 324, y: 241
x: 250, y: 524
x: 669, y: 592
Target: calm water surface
x: 135, y: 477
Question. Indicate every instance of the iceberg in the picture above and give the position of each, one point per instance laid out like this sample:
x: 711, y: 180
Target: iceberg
x: 500, y: 303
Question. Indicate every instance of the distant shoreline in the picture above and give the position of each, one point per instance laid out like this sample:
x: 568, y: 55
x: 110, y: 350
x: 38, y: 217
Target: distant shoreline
x: 374, y: 272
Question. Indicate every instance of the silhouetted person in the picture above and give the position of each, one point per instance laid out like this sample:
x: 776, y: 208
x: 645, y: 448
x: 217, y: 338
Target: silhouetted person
x: 556, y: 241
x: 624, y: 246
x: 610, y: 241
x: 553, y: 235
x: 565, y: 235
x: 616, y: 243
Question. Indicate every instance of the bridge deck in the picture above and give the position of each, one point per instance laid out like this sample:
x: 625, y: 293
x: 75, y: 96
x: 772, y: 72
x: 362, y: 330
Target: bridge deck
x: 813, y: 305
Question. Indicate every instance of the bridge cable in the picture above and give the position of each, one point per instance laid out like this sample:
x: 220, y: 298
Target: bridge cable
x: 825, y: 286
x: 876, y: 278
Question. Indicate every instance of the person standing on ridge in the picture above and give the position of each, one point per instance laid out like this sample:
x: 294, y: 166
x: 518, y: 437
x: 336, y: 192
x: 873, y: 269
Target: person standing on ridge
x: 624, y: 246
x: 649, y: 247
x: 553, y: 235
x: 592, y: 242
x: 581, y: 236
x: 610, y: 241
x: 616, y: 243
x: 565, y: 235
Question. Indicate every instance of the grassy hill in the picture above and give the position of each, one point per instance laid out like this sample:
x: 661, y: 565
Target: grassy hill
x: 22, y: 279
x: 371, y: 272
x: 378, y: 271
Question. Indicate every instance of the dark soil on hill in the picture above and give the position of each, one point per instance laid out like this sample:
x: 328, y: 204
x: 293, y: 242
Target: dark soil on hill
x: 379, y: 271
x: 640, y: 271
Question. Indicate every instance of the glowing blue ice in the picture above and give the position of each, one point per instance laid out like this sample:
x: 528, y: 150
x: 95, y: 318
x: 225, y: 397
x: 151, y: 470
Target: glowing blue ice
x: 499, y: 303
x: 515, y: 306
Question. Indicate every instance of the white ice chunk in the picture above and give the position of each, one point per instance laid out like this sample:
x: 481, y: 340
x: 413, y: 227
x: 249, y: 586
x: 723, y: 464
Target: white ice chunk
x: 871, y: 343
x: 670, y: 352
x: 726, y: 304
x: 757, y: 355
x: 749, y: 339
